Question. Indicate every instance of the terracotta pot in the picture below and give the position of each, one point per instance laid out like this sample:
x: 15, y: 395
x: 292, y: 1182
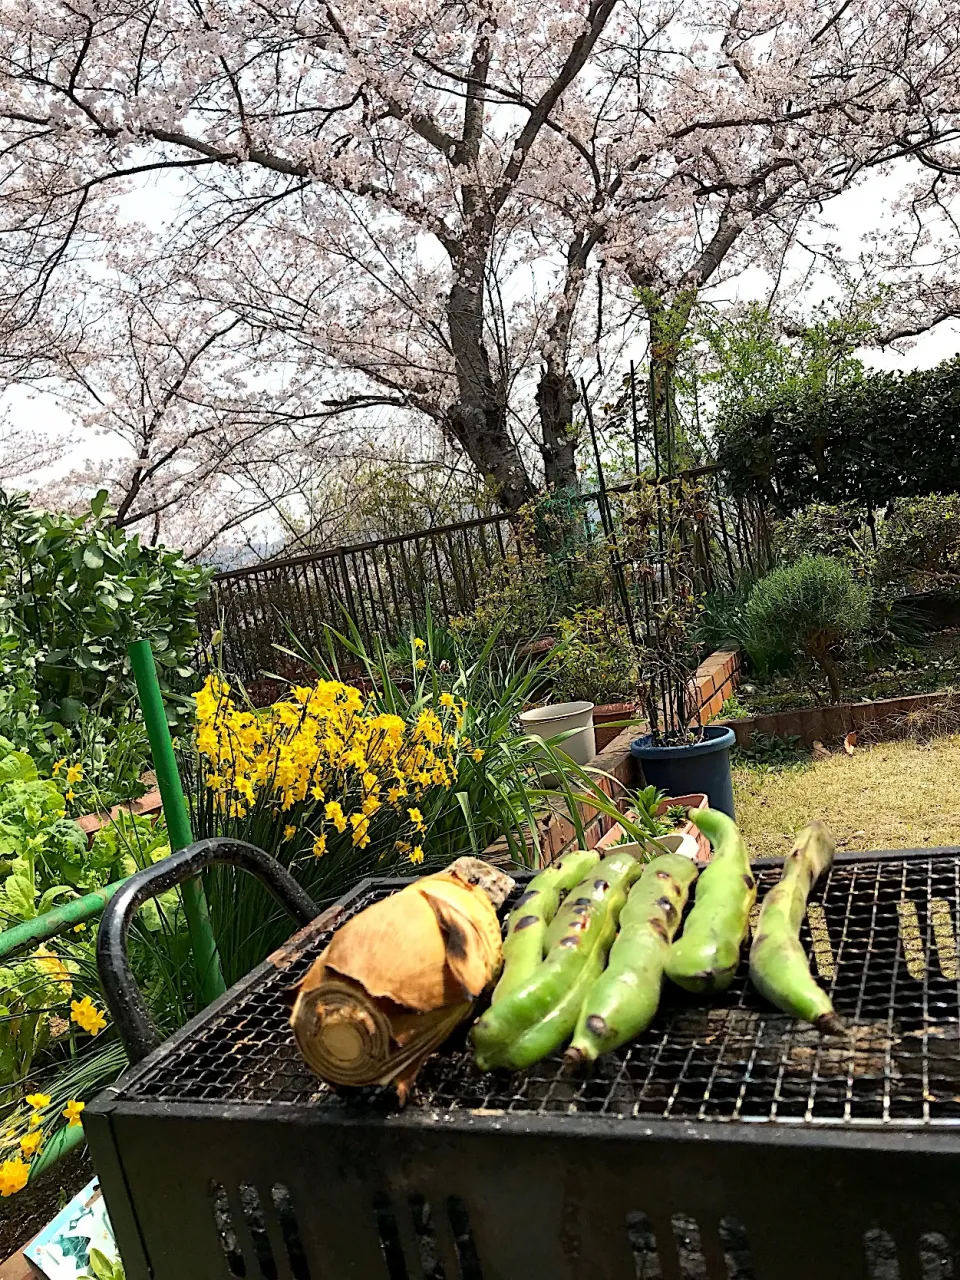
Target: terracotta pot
x: 630, y: 711
x: 696, y: 800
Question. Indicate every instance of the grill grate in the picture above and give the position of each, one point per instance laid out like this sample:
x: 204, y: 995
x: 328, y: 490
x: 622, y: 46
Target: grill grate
x: 882, y: 932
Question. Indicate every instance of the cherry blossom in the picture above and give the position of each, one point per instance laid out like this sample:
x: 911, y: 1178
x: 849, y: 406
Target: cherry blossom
x: 448, y: 212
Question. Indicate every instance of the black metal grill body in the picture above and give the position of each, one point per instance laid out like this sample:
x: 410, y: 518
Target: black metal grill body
x: 727, y: 1143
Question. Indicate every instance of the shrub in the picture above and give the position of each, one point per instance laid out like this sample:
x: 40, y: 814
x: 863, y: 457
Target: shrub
x: 883, y: 436
x: 920, y: 544
x: 809, y: 608
x: 552, y: 569
x: 820, y: 529
x: 75, y: 591
x: 595, y: 660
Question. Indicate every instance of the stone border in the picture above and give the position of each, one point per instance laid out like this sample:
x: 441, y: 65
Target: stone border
x: 831, y: 723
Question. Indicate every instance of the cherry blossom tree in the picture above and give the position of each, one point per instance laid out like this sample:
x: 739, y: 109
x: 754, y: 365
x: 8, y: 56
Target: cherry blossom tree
x: 452, y: 212
x: 173, y: 414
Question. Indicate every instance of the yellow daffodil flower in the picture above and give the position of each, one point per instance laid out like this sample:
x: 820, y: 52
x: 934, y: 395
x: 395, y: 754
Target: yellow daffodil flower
x: 31, y: 1143
x: 86, y: 1015
x: 13, y: 1177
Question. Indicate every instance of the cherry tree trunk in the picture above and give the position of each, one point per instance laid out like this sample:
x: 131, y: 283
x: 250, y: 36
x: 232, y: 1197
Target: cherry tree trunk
x: 479, y: 419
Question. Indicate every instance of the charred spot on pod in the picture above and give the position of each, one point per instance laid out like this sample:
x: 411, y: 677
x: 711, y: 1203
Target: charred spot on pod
x: 601, y: 885
x: 664, y: 875
x: 667, y: 907
x: 658, y: 927
x: 525, y: 922
x: 456, y: 940
x: 579, y: 924
x: 580, y: 902
x: 749, y: 881
x: 573, y: 941
x: 526, y: 897
x: 596, y: 1025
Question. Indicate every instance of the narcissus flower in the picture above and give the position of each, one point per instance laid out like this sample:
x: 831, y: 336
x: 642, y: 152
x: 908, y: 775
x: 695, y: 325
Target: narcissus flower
x: 71, y: 1113
x: 13, y: 1177
x: 86, y: 1015
x: 31, y: 1143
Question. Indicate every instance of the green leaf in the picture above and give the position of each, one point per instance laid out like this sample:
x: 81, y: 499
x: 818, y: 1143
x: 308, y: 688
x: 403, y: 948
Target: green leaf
x: 93, y: 558
x: 51, y: 895
x: 20, y: 895
x: 17, y: 767
x: 99, y: 502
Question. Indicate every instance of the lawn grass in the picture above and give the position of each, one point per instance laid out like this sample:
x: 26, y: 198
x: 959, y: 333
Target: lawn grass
x: 895, y: 795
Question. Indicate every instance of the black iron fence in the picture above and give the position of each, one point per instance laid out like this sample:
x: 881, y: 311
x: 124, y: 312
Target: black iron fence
x: 386, y: 587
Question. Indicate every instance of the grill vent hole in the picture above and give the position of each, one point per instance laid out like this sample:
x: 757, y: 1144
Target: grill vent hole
x: 290, y: 1230
x: 686, y: 1236
x: 253, y: 1216
x: 736, y: 1250
x: 426, y: 1239
x: 880, y: 1253
x: 223, y: 1222
x: 643, y: 1246
x: 936, y: 1257
x: 390, y: 1244
x: 463, y: 1240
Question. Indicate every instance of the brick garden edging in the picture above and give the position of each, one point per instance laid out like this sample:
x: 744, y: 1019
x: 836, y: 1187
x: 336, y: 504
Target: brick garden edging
x: 831, y: 723
x: 146, y: 807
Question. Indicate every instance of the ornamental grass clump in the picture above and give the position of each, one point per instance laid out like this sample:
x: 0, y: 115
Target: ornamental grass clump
x: 808, y: 609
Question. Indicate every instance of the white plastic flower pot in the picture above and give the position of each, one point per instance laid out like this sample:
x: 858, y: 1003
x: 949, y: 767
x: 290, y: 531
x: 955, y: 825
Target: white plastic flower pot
x: 676, y: 842
x: 547, y: 722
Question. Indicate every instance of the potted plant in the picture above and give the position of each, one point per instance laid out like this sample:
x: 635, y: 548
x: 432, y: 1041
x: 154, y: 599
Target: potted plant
x: 679, y: 754
x: 668, y: 820
x: 595, y: 661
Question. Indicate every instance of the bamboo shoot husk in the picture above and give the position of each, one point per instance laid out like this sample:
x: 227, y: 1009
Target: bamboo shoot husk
x: 397, y: 978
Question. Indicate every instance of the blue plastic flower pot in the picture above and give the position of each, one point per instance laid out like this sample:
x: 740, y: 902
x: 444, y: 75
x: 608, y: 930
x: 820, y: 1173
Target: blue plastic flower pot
x: 693, y: 766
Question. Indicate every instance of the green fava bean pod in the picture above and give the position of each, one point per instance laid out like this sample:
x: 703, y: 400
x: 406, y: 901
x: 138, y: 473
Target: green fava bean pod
x: 588, y: 923
x: 705, y: 956
x: 778, y: 965
x: 550, y: 1032
x: 623, y: 1000
x: 524, y: 943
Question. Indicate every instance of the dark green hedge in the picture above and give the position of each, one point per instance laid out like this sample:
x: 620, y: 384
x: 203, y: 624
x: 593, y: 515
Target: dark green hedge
x: 885, y: 436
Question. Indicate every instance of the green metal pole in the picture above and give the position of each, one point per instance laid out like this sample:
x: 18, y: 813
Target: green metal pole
x: 177, y: 818
x: 51, y: 922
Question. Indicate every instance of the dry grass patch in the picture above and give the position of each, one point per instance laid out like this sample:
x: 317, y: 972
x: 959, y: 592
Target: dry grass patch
x: 894, y: 795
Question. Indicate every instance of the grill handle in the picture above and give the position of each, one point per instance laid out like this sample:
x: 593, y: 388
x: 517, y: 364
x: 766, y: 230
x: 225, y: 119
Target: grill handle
x: 120, y: 990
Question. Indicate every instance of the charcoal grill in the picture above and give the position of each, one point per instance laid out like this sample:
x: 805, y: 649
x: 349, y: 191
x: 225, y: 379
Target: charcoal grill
x: 727, y: 1143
